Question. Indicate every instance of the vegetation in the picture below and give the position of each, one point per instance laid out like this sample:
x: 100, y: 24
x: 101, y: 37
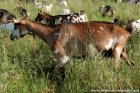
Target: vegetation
x: 25, y: 64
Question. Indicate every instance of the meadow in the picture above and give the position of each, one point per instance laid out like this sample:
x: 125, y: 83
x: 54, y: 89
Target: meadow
x: 25, y: 64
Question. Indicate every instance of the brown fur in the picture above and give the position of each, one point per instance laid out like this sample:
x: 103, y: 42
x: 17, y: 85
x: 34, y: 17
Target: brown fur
x: 68, y: 40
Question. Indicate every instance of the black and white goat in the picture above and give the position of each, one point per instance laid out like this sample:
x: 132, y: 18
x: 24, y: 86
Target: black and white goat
x: 106, y: 11
x: 23, y: 12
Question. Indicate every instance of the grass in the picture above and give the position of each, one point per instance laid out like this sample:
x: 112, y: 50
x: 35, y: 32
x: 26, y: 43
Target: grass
x: 25, y: 64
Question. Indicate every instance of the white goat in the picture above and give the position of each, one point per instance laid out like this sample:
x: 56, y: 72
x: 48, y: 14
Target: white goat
x: 135, y: 25
x: 38, y: 5
x: 47, y: 8
x: 63, y: 3
x: 119, y: 1
x: 64, y: 11
x: 44, y: 8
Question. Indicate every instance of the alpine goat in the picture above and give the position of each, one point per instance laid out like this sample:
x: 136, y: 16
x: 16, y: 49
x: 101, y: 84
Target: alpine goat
x: 77, y: 39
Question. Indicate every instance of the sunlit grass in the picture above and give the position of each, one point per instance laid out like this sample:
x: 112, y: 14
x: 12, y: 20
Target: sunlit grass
x: 25, y: 64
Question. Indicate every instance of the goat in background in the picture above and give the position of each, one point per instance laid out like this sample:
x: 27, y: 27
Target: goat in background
x: 22, y: 11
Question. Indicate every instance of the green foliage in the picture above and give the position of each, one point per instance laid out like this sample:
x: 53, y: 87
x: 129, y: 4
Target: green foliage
x: 25, y: 65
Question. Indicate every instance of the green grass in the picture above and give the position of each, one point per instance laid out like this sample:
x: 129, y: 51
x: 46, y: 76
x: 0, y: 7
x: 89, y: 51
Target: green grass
x: 25, y: 64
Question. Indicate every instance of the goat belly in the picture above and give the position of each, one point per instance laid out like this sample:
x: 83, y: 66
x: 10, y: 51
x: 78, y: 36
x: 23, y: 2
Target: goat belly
x: 91, y: 50
x: 75, y: 47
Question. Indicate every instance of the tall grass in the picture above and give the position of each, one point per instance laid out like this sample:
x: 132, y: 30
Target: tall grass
x: 25, y: 64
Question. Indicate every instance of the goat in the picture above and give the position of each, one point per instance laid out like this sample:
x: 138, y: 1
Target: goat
x: 47, y: 8
x: 79, y: 17
x: 69, y: 18
x: 42, y: 7
x: 38, y: 5
x: 63, y: 3
x: 106, y: 11
x: 135, y: 1
x: 119, y: 22
x: 77, y: 39
x: 23, y: 12
x: 118, y: 1
x: 50, y: 20
x: 130, y: 25
x: 5, y: 16
x: 64, y: 11
x: 133, y: 25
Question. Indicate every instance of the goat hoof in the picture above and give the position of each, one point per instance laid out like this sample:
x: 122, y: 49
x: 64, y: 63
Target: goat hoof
x: 132, y: 64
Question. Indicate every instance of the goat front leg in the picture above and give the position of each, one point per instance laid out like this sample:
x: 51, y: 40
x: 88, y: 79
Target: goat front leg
x: 61, y: 58
x: 60, y: 53
x: 61, y: 61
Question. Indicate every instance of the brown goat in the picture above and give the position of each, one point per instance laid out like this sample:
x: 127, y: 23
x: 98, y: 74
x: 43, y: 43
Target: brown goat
x: 69, y: 18
x: 77, y: 39
x: 5, y: 16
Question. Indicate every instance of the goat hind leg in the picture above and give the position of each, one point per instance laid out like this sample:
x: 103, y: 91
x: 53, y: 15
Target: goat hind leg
x: 127, y: 60
x: 117, y: 52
